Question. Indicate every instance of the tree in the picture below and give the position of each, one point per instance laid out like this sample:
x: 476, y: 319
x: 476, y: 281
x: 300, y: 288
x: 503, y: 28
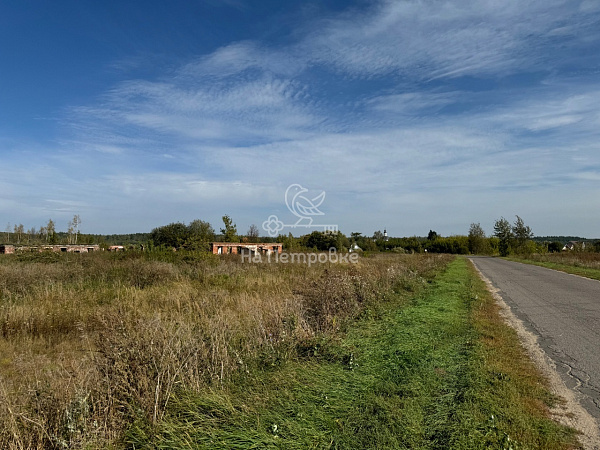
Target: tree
x: 478, y: 244
x: 172, y: 235
x: 230, y: 231
x: 503, y: 231
x: 76, y: 222
x: 290, y: 242
x: 200, y: 234
x: 342, y: 243
x: 19, y: 231
x: 42, y: 233
x: 456, y: 245
x: 73, y: 229
x: 432, y: 236
x: 51, y: 232
x: 320, y: 240
x: 7, y: 229
x: 378, y: 235
x: 253, y: 233
x: 31, y: 235
x: 364, y: 242
x: 69, y: 233
x: 555, y: 247
x: 522, y: 234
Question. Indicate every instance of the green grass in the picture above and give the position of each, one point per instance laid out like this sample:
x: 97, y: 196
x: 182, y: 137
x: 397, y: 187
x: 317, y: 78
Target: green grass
x: 573, y: 267
x: 93, y: 346
x: 436, y: 369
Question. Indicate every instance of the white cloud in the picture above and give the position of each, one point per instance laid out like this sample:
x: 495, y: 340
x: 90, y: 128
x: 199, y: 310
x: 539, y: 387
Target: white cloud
x: 427, y: 39
x: 261, y: 107
x: 238, y: 57
x: 229, y: 131
x: 413, y: 103
x: 572, y: 107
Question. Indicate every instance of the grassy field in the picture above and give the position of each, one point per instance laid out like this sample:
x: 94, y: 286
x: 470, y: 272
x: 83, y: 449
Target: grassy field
x: 194, y: 351
x: 585, y: 264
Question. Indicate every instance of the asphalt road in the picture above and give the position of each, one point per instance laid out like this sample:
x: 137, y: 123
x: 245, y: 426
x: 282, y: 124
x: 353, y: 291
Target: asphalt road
x: 563, y: 311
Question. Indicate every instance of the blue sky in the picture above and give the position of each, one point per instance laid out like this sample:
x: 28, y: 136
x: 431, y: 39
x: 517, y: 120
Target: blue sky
x: 411, y: 115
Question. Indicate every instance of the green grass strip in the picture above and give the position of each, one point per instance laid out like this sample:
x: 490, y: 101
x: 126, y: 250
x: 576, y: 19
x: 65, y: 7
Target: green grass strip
x: 437, y: 371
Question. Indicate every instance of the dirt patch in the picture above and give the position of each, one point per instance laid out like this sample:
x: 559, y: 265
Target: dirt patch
x: 569, y: 412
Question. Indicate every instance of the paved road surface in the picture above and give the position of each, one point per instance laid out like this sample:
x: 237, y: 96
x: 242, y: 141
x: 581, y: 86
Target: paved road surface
x: 563, y: 311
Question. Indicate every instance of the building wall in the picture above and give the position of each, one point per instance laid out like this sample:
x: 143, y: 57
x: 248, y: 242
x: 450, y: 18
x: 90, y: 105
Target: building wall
x: 234, y: 248
x: 52, y: 248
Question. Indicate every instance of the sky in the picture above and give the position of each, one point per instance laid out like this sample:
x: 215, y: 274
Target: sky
x: 410, y: 115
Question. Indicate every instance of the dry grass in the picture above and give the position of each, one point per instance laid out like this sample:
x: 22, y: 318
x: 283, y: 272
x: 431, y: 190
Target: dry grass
x: 585, y: 264
x: 590, y: 260
x: 91, y: 344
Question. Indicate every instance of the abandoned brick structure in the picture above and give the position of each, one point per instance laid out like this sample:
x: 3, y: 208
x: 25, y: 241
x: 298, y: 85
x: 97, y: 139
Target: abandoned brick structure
x: 236, y: 248
x: 8, y: 249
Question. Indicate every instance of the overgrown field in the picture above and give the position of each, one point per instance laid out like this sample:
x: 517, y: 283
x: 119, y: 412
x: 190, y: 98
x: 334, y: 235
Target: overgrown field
x: 184, y: 350
x: 586, y: 264
x: 92, y: 344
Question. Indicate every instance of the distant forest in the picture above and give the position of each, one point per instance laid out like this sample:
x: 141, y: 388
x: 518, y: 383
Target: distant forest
x: 563, y: 239
x: 507, y: 238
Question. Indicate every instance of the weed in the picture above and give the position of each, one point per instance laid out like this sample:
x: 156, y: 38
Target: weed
x: 97, y: 347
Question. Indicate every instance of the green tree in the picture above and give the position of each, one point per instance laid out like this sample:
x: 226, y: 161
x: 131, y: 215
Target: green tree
x: 31, y: 233
x: 42, y: 234
x: 504, y: 233
x: 478, y: 243
x: 50, y: 229
x: 456, y: 245
x: 432, y: 236
x: 200, y: 234
x: 555, y: 247
x: 172, y: 235
x: 411, y: 244
x: 289, y: 242
x: 364, y: 242
x: 324, y: 241
x: 342, y: 243
x: 230, y: 231
x: 522, y: 235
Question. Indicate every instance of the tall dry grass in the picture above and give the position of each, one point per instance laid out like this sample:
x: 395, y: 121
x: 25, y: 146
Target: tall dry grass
x: 90, y: 344
x: 590, y: 260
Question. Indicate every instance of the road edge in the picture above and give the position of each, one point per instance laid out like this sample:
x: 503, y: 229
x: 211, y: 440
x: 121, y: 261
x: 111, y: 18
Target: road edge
x: 569, y: 413
x: 535, y: 263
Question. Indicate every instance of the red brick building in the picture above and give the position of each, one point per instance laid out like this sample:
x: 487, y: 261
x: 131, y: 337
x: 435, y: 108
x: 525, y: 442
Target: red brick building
x: 237, y: 248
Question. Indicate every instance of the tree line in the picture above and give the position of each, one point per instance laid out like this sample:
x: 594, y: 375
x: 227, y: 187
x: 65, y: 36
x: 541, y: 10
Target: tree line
x: 46, y: 234
x: 198, y: 234
x: 506, y: 239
